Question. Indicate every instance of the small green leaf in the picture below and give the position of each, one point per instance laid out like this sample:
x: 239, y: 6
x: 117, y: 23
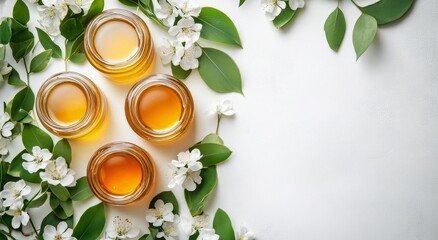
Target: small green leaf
x: 213, y: 138
x: 364, y: 32
x: 33, y: 136
x: 21, y: 44
x: 334, y: 28
x: 5, y: 32
x: 212, y: 153
x: 48, y: 43
x: 71, y: 28
x: 74, y: 46
x: 95, y: 9
x: 130, y: 3
x: 16, y: 169
x: 62, y: 209
x: 91, y: 223
x: 81, y: 191
x: 40, y: 61
x: 60, y: 192
x: 219, y: 71
x: 286, y: 15
x: 53, y: 220
x: 21, y: 12
x: 78, y: 58
x: 16, y: 26
x: 196, y: 199
x: 387, y: 11
x: 180, y: 73
x: 22, y: 100
x: 167, y: 197
x: 15, y: 80
x: 38, y: 202
x: 63, y: 149
x: 222, y: 225
x: 4, y: 176
x: 241, y: 2
x: 218, y: 27
x: 194, y: 236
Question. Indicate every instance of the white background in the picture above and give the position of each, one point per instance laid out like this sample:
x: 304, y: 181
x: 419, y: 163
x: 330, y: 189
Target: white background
x: 324, y: 147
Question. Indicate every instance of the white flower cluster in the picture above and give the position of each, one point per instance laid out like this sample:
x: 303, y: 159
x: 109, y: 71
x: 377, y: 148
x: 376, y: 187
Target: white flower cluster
x: 162, y: 216
x: 6, y: 127
x: 12, y: 202
x: 61, y: 232
x: 186, y: 170
x: 5, y: 69
x: 122, y: 229
x: 199, y: 224
x: 55, y: 171
x: 52, y: 12
x: 273, y: 8
x: 182, y: 50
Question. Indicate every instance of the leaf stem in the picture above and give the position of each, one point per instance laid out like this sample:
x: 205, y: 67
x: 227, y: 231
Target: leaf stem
x: 27, y: 71
x: 219, y: 117
x: 33, y: 226
x: 27, y: 204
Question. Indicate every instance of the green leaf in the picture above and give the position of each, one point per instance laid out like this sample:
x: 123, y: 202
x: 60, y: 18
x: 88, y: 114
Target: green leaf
x: 219, y: 71
x: 180, y: 73
x: 81, y: 191
x: 16, y: 169
x: 212, y: 153
x: 387, y: 11
x: 147, y: 7
x: 62, y: 209
x: 5, y: 32
x: 196, y: 199
x: 22, y: 100
x: 78, y: 58
x: 74, y: 46
x: 364, y: 32
x: 16, y: 26
x: 147, y: 237
x: 167, y: 197
x: 241, y: 2
x: 71, y: 28
x: 286, y: 15
x: 91, y: 223
x: 334, y: 28
x: 38, y: 202
x: 21, y: 44
x: 21, y: 12
x: 53, y: 220
x: 130, y: 3
x: 63, y: 149
x: 48, y: 43
x: 15, y: 80
x: 40, y: 61
x: 222, y: 225
x: 95, y: 9
x: 194, y: 236
x: 33, y: 136
x: 213, y: 138
x: 60, y: 192
x: 218, y: 27
x: 4, y: 176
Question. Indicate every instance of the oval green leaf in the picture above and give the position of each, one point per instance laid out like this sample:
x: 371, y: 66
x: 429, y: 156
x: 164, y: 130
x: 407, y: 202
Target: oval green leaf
x: 218, y: 27
x: 33, y: 136
x: 40, y: 61
x: 364, y: 32
x: 334, y: 28
x: 5, y: 32
x: 21, y: 12
x: 15, y: 80
x: 91, y: 223
x: 213, y: 138
x: 285, y: 17
x: 62, y: 149
x: 21, y: 43
x: 48, y: 43
x: 38, y: 202
x: 167, y: 197
x: 222, y: 225
x: 180, y: 73
x: 196, y: 199
x: 219, y: 71
x: 16, y: 169
x: 24, y: 100
x: 81, y: 191
x: 60, y: 192
x: 387, y: 11
x: 71, y: 28
x: 212, y: 153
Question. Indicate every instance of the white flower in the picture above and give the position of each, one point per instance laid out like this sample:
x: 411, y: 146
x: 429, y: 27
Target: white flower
x: 3, y: 146
x: 61, y: 232
x: 169, y: 231
x: 223, y: 107
x: 187, y: 31
x: 5, y: 69
x: 191, y: 179
x: 272, y: 8
x: 190, y: 58
x: 77, y: 6
x: 191, y: 225
x: 189, y: 159
x: 166, y: 12
x: 51, y: 28
x: 52, y: 12
x: 246, y: 235
x: 295, y: 4
x: 5, y: 125
x: 207, y: 234
x: 14, y: 192
x: 19, y: 217
x: 38, y: 160
x: 171, y: 51
x: 122, y: 229
x: 32, y: 1
x: 186, y: 170
x: 188, y: 8
x: 57, y: 172
x: 161, y: 213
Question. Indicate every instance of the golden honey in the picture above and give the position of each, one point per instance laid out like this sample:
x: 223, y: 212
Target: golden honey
x: 118, y: 43
x: 159, y: 108
x: 70, y: 105
x: 121, y: 173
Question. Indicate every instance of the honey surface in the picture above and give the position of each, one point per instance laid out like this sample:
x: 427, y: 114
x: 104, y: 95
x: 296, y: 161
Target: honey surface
x: 67, y: 103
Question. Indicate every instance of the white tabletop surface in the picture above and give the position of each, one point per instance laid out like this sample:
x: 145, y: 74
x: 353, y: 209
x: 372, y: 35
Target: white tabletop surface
x: 325, y: 148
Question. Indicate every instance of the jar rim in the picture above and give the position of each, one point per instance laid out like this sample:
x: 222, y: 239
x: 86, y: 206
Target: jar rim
x: 132, y: 105
x: 117, y: 148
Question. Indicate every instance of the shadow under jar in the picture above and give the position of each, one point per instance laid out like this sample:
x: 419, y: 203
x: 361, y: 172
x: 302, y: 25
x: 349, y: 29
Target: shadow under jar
x: 121, y: 173
x: 70, y: 105
x: 118, y: 43
x: 159, y: 108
